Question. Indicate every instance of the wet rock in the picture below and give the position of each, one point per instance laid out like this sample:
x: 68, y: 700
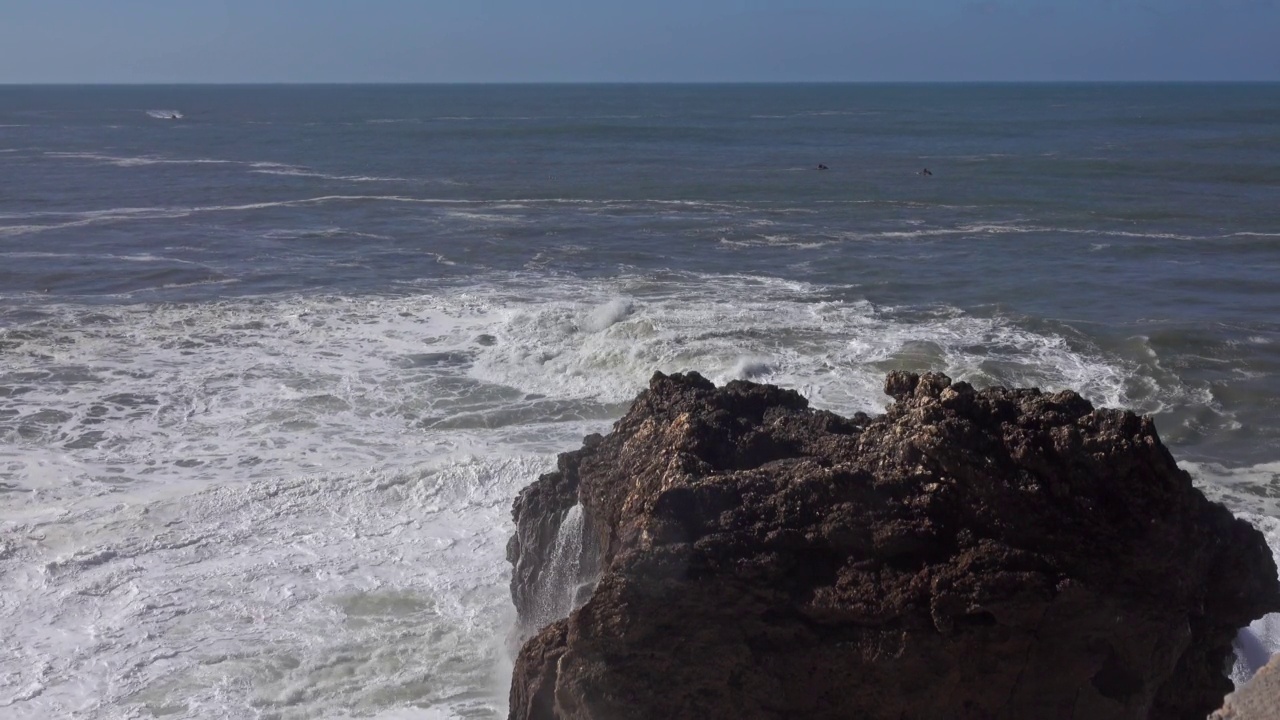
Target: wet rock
x: 1002, y: 553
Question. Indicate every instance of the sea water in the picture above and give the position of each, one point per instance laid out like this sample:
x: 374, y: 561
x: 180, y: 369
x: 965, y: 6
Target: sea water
x: 275, y: 360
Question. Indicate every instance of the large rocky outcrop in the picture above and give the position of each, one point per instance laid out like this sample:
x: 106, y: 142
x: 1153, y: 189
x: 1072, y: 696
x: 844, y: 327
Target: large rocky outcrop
x: 969, y: 554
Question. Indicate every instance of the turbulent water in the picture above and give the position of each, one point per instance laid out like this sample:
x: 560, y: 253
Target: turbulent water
x: 274, y: 361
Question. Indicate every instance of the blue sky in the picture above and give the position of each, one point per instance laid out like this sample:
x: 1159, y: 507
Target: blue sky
x: 646, y: 40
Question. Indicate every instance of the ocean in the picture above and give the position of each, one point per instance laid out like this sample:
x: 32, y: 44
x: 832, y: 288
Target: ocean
x: 275, y: 360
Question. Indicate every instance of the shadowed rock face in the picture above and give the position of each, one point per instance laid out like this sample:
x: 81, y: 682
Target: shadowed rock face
x: 969, y: 554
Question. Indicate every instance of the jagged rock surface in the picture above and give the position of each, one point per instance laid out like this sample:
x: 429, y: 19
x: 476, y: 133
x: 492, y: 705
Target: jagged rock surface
x: 969, y: 554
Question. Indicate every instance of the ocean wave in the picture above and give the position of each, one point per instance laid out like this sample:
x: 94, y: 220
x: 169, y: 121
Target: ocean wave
x: 608, y: 314
x: 137, y: 161
x: 297, y: 172
x: 325, y: 232
x: 1252, y: 489
x: 712, y: 323
x: 259, y: 167
x: 90, y: 217
x: 728, y: 208
x: 159, y: 454
x: 427, y: 600
x: 82, y: 213
x: 457, y: 118
x: 1015, y: 228
x: 482, y: 217
x: 93, y: 217
x: 775, y: 241
x: 136, y: 258
x: 137, y: 214
x: 817, y: 113
x: 579, y: 341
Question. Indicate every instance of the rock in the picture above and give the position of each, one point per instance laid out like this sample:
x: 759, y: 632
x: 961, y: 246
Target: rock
x: 1003, y: 553
x: 1259, y: 699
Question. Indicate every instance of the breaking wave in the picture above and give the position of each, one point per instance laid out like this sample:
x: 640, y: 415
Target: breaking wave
x: 194, y: 480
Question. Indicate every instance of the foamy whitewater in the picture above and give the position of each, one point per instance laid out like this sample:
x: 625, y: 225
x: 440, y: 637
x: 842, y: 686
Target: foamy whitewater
x: 275, y: 364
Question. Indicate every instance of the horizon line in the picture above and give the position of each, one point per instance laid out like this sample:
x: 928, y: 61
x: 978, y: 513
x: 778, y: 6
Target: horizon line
x: 268, y: 83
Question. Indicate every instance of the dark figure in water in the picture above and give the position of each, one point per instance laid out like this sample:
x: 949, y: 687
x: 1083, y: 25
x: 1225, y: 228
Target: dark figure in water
x: 925, y: 172
x: 823, y: 167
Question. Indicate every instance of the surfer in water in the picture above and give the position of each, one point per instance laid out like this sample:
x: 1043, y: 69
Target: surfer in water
x: 926, y: 172
x: 823, y: 167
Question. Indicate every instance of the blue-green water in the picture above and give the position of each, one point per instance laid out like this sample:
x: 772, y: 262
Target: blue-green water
x: 275, y: 359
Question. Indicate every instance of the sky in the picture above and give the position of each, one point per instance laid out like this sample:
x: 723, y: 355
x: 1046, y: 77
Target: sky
x: 435, y: 41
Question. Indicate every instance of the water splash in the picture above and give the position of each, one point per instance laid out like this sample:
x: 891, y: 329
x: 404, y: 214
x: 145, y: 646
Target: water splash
x: 560, y: 583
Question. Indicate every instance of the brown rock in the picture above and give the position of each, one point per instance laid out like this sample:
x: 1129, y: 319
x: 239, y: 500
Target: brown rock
x: 969, y: 554
x: 1259, y: 699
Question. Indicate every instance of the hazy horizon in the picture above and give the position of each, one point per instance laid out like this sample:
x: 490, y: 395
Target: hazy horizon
x: 82, y: 42
x: 410, y: 83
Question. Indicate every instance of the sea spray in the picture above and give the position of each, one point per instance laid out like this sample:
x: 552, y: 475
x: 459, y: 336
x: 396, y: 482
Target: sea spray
x: 558, y: 586
x: 608, y: 314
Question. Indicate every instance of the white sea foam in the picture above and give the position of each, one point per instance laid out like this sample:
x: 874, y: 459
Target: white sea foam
x: 837, y: 352
x: 1013, y: 228
x: 1253, y: 489
x: 321, y: 232
x: 751, y: 368
x: 261, y: 167
x: 329, y: 592
x: 298, y: 172
x: 775, y: 241
x: 95, y: 217
x: 482, y: 217
x: 185, y: 506
x: 608, y: 314
x: 297, y: 506
x: 136, y: 258
x: 469, y: 209
x: 128, y: 214
x: 1257, y: 643
x: 138, y: 161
